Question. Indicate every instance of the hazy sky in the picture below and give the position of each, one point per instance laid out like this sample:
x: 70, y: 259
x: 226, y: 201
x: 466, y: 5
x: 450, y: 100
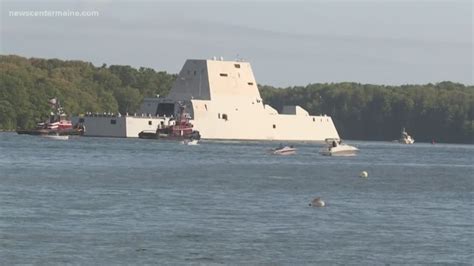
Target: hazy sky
x: 287, y: 43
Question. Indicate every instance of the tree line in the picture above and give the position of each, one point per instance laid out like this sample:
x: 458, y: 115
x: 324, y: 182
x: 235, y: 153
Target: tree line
x: 443, y: 111
x: 27, y: 84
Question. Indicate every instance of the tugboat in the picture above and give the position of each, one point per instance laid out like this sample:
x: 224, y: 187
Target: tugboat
x: 56, y: 125
x: 181, y: 130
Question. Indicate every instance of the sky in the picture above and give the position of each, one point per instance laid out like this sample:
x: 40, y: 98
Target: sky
x: 288, y: 43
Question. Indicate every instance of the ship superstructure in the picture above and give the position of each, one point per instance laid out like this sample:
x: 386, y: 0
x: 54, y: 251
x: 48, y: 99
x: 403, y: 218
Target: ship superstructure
x: 224, y: 102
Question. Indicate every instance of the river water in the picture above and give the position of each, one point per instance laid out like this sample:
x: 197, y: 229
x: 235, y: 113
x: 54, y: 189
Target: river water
x: 132, y: 201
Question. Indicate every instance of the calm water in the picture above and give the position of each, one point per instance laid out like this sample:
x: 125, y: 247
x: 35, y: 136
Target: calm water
x: 125, y: 201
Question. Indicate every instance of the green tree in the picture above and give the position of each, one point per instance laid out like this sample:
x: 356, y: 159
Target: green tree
x: 128, y: 99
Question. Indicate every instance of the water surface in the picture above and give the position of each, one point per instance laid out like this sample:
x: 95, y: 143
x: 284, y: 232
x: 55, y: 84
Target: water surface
x: 132, y: 201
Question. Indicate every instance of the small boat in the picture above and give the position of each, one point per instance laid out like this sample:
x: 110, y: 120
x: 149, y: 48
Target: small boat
x: 337, y: 148
x: 148, y: 134
x: 56, y: 136
x: 190, y: 142
x: 284, y: 150
x: 405, y: 138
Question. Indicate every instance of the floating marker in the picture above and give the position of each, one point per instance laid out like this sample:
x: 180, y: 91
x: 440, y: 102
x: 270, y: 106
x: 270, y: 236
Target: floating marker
x: 364, y: 174
x: 317, y: 202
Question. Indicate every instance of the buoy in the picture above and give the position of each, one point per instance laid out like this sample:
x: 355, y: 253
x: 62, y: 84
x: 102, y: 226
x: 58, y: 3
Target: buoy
x: 364, y: 174
x: 317, y: 202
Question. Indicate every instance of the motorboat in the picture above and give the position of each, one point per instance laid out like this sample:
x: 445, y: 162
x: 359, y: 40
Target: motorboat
x: 405, y: 138
x: 340, y: 150
x: 335, y: 147
x: 56, y: 136
x: 284, y: 150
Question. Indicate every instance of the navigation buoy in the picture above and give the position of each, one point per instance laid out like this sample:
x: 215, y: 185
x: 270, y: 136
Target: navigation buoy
x: 364, y: 174
x: 317, y: 202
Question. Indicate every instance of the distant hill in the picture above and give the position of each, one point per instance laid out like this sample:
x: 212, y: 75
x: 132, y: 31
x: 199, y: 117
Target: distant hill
x: 442, y: 111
